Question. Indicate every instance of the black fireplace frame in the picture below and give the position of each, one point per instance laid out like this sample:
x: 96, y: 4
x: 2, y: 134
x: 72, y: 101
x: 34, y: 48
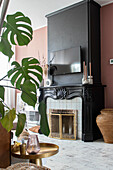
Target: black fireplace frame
x: 92, y: 102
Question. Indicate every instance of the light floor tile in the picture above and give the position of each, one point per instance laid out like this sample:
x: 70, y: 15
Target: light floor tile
x: 78, y: 155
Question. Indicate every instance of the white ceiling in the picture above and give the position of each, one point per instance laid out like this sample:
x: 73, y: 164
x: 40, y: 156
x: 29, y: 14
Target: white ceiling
x: 104, y: 2
x: 36, y: 9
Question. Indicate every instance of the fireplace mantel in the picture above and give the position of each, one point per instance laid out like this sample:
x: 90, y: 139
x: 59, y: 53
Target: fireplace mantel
x: 92, y: 102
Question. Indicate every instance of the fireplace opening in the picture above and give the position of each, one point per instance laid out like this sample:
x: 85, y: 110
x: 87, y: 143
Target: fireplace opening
x: 63, y: 124
x: 65, y: 118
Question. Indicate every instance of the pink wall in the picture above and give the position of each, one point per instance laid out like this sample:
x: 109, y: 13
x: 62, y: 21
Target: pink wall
x: 38, y: 46
x: 107, y: 52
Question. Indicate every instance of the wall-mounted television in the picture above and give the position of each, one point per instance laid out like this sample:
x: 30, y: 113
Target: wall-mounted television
x: 65, y: 61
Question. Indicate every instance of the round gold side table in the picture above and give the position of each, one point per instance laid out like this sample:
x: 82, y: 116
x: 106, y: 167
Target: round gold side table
x: 46, y: 150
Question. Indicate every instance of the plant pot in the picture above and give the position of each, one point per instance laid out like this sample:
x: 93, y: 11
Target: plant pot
x: 105, y: 124
x: 5, y: 147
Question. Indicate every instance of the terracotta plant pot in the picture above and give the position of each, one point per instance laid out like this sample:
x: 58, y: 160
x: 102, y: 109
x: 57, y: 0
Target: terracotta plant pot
x: 105, y: 124
x: 5, y: 147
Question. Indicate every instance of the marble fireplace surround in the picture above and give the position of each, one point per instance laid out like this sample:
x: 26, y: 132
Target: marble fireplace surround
x: 90, y: 99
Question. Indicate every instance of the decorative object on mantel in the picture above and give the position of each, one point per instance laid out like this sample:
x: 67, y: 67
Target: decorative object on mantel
x: 44, y: 66
x: 90, y: 77
x: 48, y: 82
x: 84, y: 79
x: 105, y: 124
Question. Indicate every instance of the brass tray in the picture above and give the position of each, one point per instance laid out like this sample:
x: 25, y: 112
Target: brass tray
x: 46, y: 150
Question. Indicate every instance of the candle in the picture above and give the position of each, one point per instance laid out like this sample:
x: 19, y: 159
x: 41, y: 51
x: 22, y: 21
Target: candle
x: 85, y: 72
x: 90, y: 69
x: 84, y: 68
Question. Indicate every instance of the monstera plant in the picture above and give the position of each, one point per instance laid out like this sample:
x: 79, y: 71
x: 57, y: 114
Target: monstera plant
x: 16, y: 29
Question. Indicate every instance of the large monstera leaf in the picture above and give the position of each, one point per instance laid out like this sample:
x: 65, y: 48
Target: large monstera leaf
x: 20, y: 123
x: 29, y: 94
x: 19, y: 25
x: 26, y: 77
x: 16, y: 30
x: 2, y: 93
x: 8, y: 115
x: 5, y: 48
x: 43, y: 122
x: 7, y: 120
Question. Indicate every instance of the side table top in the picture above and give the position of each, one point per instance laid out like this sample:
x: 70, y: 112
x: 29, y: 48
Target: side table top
x: 46, y: 150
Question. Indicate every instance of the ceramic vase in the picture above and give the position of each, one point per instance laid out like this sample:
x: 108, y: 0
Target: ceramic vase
x: 105, y: 124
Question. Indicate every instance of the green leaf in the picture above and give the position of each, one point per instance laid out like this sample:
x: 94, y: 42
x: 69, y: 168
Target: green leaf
x: 27, y: 62
x: 7, y: 121
x: 43, y: 122
x: 2, y: 109
x: 26, y: 78
x: 36, y: 74
x: 30, y: 70
x: 5, y: 48
x: 36, y: 67
x: 20, y: 123
x: 19, y: 26
x: 18, y: 83
x: 15, y: 77
x: 2, y: 92
x: 29, y: 93
x: 10, y: 72
x: 15, y: 63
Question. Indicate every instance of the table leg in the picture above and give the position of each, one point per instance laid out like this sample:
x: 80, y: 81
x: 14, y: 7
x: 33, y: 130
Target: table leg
x: 38, y: 162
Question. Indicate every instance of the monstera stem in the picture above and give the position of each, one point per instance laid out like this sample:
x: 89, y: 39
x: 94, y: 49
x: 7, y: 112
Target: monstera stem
x: 3, y: 13
x: 3, y: 77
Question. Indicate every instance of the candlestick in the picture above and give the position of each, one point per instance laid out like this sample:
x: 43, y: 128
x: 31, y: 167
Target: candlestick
x: 85, y: 72
x: 84, y: 68
x: 90, y: 69
x: 84, y: 79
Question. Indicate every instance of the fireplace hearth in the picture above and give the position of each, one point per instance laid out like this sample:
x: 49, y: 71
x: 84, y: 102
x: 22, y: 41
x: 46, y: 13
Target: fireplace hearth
x: 92, y: 102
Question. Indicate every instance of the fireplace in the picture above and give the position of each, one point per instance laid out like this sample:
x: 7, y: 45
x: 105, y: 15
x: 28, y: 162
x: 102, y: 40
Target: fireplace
x: 92, y: 101
x: 70, y: 29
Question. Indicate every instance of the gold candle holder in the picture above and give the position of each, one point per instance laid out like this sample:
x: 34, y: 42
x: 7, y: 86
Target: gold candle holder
x: 23, y: 149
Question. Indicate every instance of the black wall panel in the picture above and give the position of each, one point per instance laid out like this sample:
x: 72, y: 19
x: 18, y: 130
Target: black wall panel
x: 77, y: 25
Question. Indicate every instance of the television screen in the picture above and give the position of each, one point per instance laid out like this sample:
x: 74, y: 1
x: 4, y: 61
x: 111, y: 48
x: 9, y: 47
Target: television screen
x: 65, y: 61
